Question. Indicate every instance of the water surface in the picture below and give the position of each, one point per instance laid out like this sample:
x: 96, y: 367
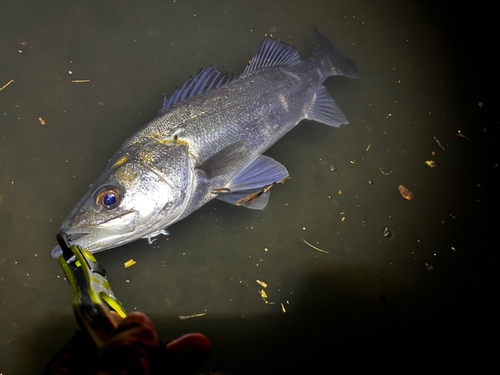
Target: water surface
x: 421, y: 293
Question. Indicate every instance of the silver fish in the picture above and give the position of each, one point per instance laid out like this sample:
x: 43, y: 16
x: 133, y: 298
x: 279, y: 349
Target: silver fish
x: 207, y: 142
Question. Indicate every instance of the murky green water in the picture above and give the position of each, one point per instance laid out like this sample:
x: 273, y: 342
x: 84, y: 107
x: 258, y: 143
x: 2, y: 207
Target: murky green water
x: 422, y: 292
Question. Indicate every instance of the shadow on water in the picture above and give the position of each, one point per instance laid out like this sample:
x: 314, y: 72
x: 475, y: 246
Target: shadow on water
x: 353, y: 328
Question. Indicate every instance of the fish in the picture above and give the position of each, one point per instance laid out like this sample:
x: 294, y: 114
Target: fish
x: 207, y: 142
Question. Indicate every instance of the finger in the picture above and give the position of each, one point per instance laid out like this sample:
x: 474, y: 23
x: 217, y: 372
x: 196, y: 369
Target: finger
x: 189, y: 351
x: 116, y: 316
x: 136, y: 319
x: 129, y: 348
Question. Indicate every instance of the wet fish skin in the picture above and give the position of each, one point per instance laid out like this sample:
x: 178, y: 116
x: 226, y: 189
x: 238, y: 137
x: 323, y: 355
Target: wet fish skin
x: 208, y: 146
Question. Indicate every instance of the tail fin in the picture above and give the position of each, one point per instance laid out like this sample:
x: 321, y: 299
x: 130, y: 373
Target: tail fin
x: 337, y: 62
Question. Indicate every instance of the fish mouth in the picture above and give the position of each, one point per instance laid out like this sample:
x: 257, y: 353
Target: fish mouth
x: 102, y: 236
x: 65, y: 239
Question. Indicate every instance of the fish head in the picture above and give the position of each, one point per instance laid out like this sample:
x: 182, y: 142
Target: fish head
x: 140, y: 192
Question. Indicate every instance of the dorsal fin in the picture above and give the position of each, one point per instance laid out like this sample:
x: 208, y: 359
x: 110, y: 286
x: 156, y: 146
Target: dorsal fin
x: 272, y: 52
x: 203, y: 81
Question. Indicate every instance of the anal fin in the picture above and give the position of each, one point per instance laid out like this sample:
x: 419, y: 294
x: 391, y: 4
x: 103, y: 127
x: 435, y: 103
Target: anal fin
x: 325, y: 110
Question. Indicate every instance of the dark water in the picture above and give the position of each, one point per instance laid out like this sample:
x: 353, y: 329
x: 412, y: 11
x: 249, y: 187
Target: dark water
x: 425, y: 294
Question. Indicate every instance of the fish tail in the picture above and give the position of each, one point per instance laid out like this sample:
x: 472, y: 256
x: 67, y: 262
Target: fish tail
x: 333, y: 60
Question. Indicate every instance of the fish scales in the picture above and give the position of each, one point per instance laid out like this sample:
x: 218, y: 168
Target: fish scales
x: 260, y: 107
x: 208, y: 146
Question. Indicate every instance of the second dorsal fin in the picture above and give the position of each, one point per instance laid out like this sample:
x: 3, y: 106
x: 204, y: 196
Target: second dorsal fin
x: 272, y: 52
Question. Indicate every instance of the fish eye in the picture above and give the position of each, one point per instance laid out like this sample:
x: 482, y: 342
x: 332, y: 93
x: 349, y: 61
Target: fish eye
x: 108, y: 197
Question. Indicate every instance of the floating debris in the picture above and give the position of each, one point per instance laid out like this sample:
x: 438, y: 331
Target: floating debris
x: 439, y: 143
x: 283, y: 308
x: 459, y: 134
x: 80, y: 80
x: 129, y: 263
x: 431, y: 163
x: 368, y: 147
x: 261, y: 283
x: 405, y: 193
x: 370, y: 182
x: 333, y: 168
x: 7, y: 84
x: 41, y: 120
x: 263, y: 295
x: 315, y: 248
x: 387, y: 233
x: 184, y: 317
x: 387, y: 174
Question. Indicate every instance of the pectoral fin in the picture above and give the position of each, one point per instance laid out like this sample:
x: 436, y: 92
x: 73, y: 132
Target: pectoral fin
x: 263, y: 171
x: 255, y: 201
x: 251, y: 187
x: 228, y: 160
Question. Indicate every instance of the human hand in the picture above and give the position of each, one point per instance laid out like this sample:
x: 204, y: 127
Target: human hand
x: 134, y: 348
